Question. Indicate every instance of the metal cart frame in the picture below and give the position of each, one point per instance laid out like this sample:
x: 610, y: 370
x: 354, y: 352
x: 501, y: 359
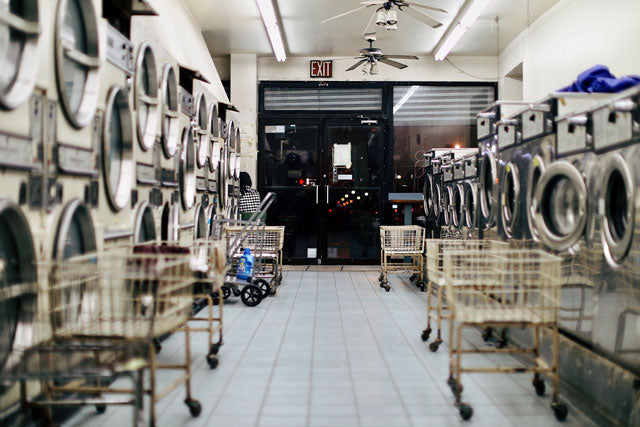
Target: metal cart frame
x: 401, y: 251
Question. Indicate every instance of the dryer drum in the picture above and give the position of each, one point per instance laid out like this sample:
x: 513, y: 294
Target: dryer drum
x: 170, y: 114
x: 188, y: 169
x: 19, y: 46
x: 146, y: 97
x: 619, y: 209
x: 117, y: 149
x: 77, y: 60
x: 561, y: 205
x: 17, y: 268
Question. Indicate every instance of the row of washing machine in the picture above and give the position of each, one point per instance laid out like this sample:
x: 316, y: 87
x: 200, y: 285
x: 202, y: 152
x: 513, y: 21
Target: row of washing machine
x: 103, y: 141
x: 563, y: 174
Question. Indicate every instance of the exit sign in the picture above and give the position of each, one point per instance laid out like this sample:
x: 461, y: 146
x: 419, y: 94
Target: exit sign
x: 321, y: 69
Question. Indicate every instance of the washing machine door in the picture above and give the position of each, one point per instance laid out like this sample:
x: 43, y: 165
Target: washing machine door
x: 231, y: 148
x: 20, y: 32
x: 457, y: 206
x: 427, y: 194
x: 145, y: 224
x: 537, y: 169
x: 214, y: 129
x: 222, y: 180
x: 117, y: 148
x: 560, y: 205
x: 510, y: 199
x: 170, y: 111
x: 170, y: 223
x: 618, y: 208
x: 446, y: 204
x: 202, y: 131
x: 18, y: 284
x: 470, y: 204
x: 188, y: 169
x: 238, y: 163
x: 488, y: 188
x: 200, y: 222
x: 146, y: 96
x: 437, y: 201
x: 77, y: 60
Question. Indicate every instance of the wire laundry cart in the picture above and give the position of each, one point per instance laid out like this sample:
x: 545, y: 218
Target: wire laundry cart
x: 104, y: 313
x: 401, y: 251
x: 435, y: 250
x: 497, y: 288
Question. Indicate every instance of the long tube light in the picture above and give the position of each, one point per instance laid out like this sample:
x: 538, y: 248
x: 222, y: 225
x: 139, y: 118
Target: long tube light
x: 471, y: 14
x: 273, y: 30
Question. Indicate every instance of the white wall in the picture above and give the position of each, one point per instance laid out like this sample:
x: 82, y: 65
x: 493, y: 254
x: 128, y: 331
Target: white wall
x: 571, y: 37
x: 244, y: 95
x: 425, y: 69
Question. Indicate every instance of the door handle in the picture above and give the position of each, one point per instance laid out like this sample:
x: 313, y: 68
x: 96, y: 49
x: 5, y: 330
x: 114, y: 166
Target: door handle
x: 327, y: 194
x: 317, y: 194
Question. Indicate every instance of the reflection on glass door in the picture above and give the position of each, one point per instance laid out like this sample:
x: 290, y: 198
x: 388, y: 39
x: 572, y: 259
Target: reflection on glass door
x: 353, y: 157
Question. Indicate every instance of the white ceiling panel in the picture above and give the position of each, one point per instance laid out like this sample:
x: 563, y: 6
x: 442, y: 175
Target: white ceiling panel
x: 234, y: 26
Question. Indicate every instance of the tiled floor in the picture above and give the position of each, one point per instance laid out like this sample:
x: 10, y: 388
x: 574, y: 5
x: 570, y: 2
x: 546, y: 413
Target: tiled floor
x: 332, y: 349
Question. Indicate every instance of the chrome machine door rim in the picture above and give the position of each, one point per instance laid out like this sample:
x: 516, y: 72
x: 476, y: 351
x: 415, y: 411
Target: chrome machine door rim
x: 509, y: 216
x: 16, y: 334
x: 188, y: 169
x: 170, y: 111
x: 231, y: 147
x: 73, y: 208
x: 457, y: 210
x: 222, y: 179
x: 170, y: 223
x: 118, y: 194
x: 89, y: 59
x: 144, y: 218
x: 214, y: 131
x: 470, y: 203
x: 427, y: 194
x: 238, y: 162
x: 27, y: 25
x: 199, y: 217
x: 487, y: 204
x: 446, y: 204
x: 553, y: 240
x: 202, y: 130
x: 538, y: 167
x: 146, y: 99
x: 617, y: 224
x: 437, y: 201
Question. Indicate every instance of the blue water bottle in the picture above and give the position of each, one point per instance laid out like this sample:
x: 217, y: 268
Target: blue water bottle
x: 245, y: 266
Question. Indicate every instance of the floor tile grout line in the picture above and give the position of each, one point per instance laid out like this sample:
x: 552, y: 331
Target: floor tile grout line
x: 275, y: 363
x: 375, y: 337
x: 313, y: 349
x: 346, y: 349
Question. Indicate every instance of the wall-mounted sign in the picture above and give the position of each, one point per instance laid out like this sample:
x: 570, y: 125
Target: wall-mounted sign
x: 321, y: 69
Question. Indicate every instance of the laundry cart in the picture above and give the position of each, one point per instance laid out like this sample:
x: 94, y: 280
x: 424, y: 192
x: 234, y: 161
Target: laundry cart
x: 496, y: 288
x: 435, y: 250
x: 401, y: 251
x: 106, y: 311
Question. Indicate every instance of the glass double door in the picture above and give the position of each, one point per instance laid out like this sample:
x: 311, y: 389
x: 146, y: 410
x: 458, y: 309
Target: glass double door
x: 327, y: 175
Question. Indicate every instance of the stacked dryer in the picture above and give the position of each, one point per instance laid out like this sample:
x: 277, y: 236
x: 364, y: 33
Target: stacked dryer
x: 470, y: 196
x: 431, y: 190
x: 203, y: 146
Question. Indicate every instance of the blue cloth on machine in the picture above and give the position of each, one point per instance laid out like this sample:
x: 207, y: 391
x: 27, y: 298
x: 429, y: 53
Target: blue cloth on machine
x: 600, y: 79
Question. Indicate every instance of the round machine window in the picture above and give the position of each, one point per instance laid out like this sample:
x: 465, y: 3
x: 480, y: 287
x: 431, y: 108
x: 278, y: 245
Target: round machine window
x: 117, y: 149
x: 437, y: 200
x: 200, y: 228
x: 446, y: 205
x: 214, y: 130
x: 487, y: 182
x: 145, y: 227
x: 619, y: 209
x: 202, y: 130
x: 456, y: 208
x: 428, y: 196
x: 17, y: 257
x: 231, y: 147
x: 470, y: 204
x: 19, y: 36
x: 146, y: 96
x: 535, y: 173
x: 560, y: 203
x: 510, y: 198
x: 188, y: 169
x: 216, y: 156
x: 222, y: 181
x: 170, y: 114
x: 77, y: 60
x: 170, y: 223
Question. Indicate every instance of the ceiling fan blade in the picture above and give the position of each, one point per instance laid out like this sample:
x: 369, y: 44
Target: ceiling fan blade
x: 421, y: 16
x: 401, y: 56
x: 356, y: 65
x: 345, y: 13
x: 398, y: 65
x: 425, y: 7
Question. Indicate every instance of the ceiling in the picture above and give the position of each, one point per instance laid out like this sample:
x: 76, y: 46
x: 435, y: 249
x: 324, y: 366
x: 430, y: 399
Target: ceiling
x: 232, y: 26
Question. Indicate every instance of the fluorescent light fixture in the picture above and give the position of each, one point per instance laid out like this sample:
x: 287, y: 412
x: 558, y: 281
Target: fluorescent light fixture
x: 405, y: 98
x: 273, y: 30
x: 470, y: 15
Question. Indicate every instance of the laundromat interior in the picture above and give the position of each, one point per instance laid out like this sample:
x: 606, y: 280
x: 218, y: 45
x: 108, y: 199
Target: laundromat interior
x: 333, y: 213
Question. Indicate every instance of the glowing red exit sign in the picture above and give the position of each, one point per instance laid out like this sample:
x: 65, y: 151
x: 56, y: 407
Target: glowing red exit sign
x: 321, y: 69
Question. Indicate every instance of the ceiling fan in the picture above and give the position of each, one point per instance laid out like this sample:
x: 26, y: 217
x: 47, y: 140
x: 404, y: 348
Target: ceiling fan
x: 387, y: 16
x: 370, y: 56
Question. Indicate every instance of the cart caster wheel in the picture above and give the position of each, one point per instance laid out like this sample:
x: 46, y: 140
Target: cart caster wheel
x: 420, y: 284
x: 425, y: 334
x: 381, y: 277
x: 194, y: 407
x: 157, y: 346
x: 466, y: 411
x: 251, y: 295
x: 226, y: 293
x: 435, y: 345
x: 215, y: 348
x: 501, y: 342
x: 387, y: 288
x: 212, y: 361
x: 272, y: 291
x: 264, y: 287
x: 539, y: 385
x: 560, y: 410
x: 215, y: 298
x: 486, y: 334
x: 413, y: 277
x: 101, y: 408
